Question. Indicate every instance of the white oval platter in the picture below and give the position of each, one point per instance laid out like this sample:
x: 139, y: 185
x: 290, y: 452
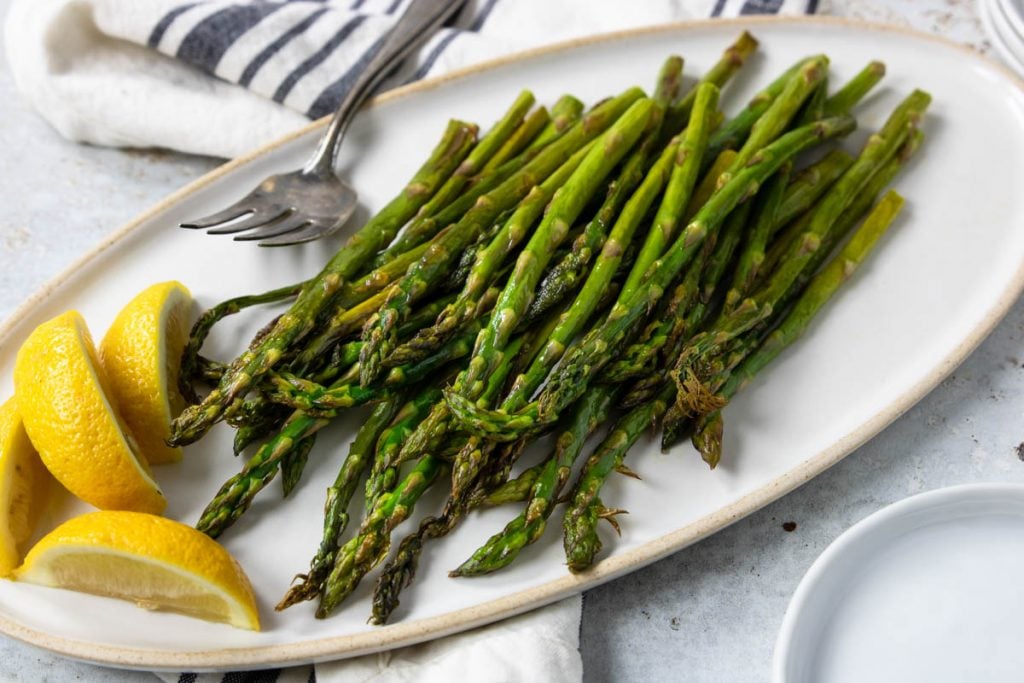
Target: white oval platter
x: 941, y: 280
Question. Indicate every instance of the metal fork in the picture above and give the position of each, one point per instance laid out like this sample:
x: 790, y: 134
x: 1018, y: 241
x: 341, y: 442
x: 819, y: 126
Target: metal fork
x: 314, y: 202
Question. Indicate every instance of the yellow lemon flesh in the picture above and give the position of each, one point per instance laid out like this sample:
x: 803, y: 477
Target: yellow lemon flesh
x: 25, y: 487
x: 62, y: 397
x: 141, y: 355
x: 155, y: 562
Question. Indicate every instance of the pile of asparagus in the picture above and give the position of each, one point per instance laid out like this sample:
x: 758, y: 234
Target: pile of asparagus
x: 638, y: 262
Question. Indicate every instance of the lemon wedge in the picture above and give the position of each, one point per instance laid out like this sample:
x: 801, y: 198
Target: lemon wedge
x: 155, y: 562
x: 25, y: 487
x: 62, y: 397
x: 141, y: 355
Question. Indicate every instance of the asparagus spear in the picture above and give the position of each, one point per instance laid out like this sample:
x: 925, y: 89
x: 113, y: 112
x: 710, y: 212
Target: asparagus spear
x: 190, y: 362
x: 503, y: 548
x: 386, y: 462
x: 486, y: 267
x: 467, y: 464
x: 752, y: 256
x: 339, y: 494
x: 564, y: 112
x: 564, y: 276
x: 674, y: 425
x: 709, y: 430
x: 370, y: 544
x: 572, y: 319
x: 814, y: 107
x: 474, y: 163
x: 808, y: 186
x: 353, y: 294
x: 530, y: 128
x: 708, y: 184
x: 707, y: 437
x: 565, y: 206
x: 585, y: 508
x: 781, y: 111
x: 209, y: 370
x: 379, y: 333
x: 879, y: 149
x: 268, y: 419
x: 513, y: 491
x: 642, y: 353
x: 293, y: 464
x: 237, y: 494
x: 300, y: 318
x: 734, y: 57
x: 670, y: 79
x: 820, y: 289
x: 854, y: 91
x: 258, y: 416
x: 580, y: 365
x: 680, y: 187
x: 734, y: 132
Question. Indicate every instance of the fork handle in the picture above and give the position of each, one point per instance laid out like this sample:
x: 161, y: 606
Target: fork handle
x: 418, y: 21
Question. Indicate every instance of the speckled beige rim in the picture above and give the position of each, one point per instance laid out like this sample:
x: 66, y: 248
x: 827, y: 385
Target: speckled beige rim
x: 609, y: 568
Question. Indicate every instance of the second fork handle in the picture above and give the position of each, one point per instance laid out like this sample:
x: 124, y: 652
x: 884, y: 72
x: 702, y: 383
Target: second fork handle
x: 420, y: 19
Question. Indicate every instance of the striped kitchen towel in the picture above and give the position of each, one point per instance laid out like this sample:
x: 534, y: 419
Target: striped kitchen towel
x: 220, y: 77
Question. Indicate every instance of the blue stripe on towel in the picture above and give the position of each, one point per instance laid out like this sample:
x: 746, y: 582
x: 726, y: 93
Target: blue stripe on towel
x: 329, y: 99
x: 331, y: 96
x: 157, y: 34
x: 208, y: 40
x: 478, y: 23
x: 270, y: 50
x: 481, y: 17
x: 761, y: 7
x: 316, y: 58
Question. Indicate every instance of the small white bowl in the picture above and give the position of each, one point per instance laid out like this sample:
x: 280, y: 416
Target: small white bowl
x: 928, y: 589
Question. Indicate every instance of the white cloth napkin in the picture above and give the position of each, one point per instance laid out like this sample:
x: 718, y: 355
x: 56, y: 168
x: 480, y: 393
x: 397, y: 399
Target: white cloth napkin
x: 137, y: 73
x: 542, y: 645
x: 218, y: 77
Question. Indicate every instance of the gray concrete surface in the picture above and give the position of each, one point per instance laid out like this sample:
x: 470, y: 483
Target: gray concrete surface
x: 708, y: 613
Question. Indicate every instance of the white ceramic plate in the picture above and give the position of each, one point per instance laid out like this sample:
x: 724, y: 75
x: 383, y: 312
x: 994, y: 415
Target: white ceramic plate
x: 927, y: 589
x: 941, y: 280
